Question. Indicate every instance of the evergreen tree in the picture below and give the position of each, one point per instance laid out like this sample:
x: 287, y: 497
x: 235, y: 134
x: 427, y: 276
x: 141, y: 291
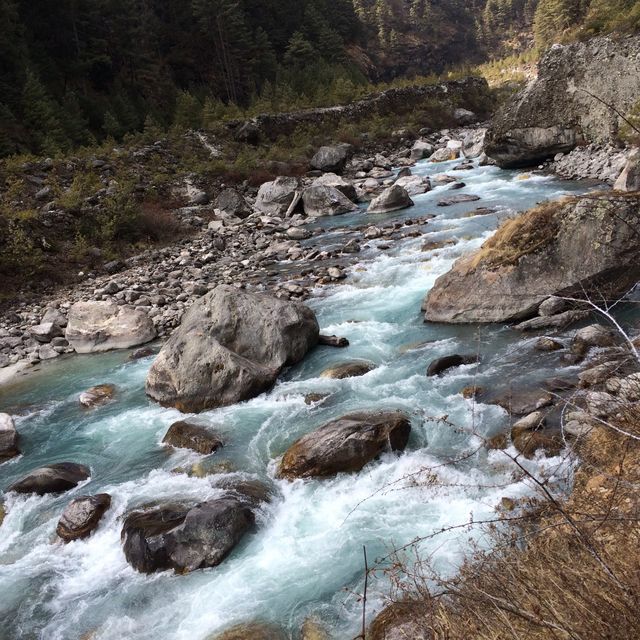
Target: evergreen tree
x: 300, y: 51
x: 188, y: 112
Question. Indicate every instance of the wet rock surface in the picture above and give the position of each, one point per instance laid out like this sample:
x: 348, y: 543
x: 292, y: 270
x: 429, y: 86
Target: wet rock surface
x: 187, y: 435
x: 53, y: 478
x: 346, y: 444
x: 82, y: 516
x: 8, y: 438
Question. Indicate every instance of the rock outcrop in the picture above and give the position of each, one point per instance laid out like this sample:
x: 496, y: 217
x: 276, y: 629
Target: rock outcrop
x: 346, y: 444
x: 558, y: 111
x: 325, y: 200
x: 102, y: 326
x: 565, y: 248
x: 185, y: 538
x: 53, y: 478
x: 8, y: 438
x: 82, y: 515
x: 230, y: 347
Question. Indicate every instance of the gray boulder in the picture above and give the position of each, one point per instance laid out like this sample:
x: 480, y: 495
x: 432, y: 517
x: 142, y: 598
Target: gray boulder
x: 231, y: 202
x: 348, y: 370
x: 421, y: 149
x: 346, y: 444
x: 231, y: 346
x: 558, y: 111
x: 45, y: 332
x: 8, y: 438
x: 331, y: 159
x: 392, y: 199
x: 103, y: 326
x: 280, y: 197
x: 323, y: 200
x: 338, y: 182
x: 54, y: 315
x: 82, y: 515
x: 185, y: 538
x: 629, y: 179
x: 53, y: 478
x: 96, y: 396
x: 414, y: 185
x: 556, y: 249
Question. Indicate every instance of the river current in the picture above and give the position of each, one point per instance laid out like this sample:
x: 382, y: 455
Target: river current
x: 305, y: 557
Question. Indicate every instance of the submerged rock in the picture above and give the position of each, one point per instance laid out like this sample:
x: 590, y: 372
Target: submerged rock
x: 82, y: 515
x: 103, y: 326
x: 324, y: 200
x: 185, y: 538
x: 440, y: 365
x: 8, y: 438
x: 348, y: 370
x: 186, y: 435
x: 333, y: 341
x: 459, y: 199
x: 251, y: 631
x: 96, y: 396
x: 346, y: 444
x: 53, y: 478
x: 555, y: 249
x: 391, y: 199
x: 230, y: 346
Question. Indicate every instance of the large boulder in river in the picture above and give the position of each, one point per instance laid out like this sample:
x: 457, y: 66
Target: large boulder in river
x: 331, y: 159
x: 346, y: 444
x: 338, y: 182
x: 559, y: 111
x: 323, y: 200
x: 185, y: 538
x: 230, y: 346
x: 187, y: 435
x: 103, y: 326
x: 392, y: 199
x: 280, y: 197
x: 53, y: 478
x: 82, y: 515
x: 97, y: 396
x: 568, y: 248
x: 8, y: 438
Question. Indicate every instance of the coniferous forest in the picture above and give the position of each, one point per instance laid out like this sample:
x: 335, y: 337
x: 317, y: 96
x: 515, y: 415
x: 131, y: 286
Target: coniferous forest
x: 73, y: 72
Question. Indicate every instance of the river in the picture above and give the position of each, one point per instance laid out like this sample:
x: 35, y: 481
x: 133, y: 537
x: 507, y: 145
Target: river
x: 306, y: 556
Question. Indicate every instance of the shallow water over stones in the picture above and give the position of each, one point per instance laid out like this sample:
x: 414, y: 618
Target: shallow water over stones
x: 307, y: 543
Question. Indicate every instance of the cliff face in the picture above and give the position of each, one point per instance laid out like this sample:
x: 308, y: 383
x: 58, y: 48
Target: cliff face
x: 558, y: 111
x: 582, y: 245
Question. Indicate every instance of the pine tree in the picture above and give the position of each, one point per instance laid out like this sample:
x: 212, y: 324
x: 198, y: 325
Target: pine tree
x: 188, y: 112
x: 300, y: 51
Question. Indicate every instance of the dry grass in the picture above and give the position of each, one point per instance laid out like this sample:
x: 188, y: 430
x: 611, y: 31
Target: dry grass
x: 566, y: 569
x: 520, y: 236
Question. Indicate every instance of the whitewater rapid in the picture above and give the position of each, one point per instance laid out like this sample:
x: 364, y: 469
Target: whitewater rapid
x: 306, y: 556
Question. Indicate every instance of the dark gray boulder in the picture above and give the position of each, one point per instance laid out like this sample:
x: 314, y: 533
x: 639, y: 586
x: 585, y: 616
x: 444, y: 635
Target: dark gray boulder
x: 331, y: 159
x: 187, y: 435
x: 346, y: 444
x: 53, y: 478
x: 232, y: 202
x: 185, y: 538
x: 82, y: 515
x: 230, y: 346
x: 440, y: 365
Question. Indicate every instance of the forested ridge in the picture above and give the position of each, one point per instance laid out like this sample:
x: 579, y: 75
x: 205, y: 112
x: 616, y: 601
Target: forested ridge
x: 73, y: 72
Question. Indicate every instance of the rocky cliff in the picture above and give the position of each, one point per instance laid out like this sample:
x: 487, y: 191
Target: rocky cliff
x: 573, y: 247
x: 559, y: 111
